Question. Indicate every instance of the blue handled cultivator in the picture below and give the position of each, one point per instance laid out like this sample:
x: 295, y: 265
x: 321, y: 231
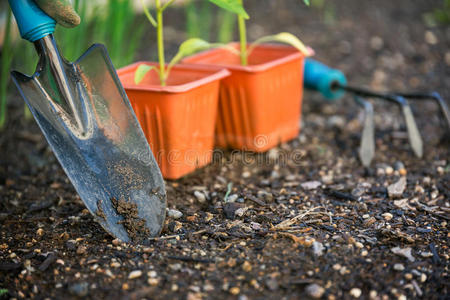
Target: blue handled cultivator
x: 332, y: 84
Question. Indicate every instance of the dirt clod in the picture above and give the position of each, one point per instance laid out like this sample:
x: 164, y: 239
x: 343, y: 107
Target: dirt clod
x: 135, y: 226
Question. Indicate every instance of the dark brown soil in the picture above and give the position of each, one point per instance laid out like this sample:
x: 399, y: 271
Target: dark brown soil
x: 303, y: 220
x: 134, y: 225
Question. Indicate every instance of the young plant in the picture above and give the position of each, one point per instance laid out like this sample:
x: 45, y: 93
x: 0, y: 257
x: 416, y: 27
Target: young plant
x: 187, y: 48
x: 237, y: 7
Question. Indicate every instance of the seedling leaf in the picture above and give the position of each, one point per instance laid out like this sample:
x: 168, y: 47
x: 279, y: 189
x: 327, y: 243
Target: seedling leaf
x: 284, y: 37
x: 189, y: 47
x: 141, y: 71
x: 306, y: 2
x: 234, y: 6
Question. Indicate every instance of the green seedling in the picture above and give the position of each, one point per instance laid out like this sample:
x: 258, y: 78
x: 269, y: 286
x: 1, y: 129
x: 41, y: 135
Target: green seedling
x: 187, y: 48
x: 237, y: 7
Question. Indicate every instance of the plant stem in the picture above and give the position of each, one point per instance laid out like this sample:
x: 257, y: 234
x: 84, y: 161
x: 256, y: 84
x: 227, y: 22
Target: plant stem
x: 160, y: 37
x: 243, y: 38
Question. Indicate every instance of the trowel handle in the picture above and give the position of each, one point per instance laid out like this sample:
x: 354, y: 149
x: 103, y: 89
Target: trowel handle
x: 321, y: 78
x: 33, y: 23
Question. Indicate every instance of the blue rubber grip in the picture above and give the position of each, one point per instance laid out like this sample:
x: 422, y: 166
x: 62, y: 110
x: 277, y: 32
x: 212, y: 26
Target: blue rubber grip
x: 319, y: 77
x: 33, y: 23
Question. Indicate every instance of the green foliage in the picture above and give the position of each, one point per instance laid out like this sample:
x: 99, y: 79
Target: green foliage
x: 203, y: 21
x: 3, y: 292
x: 6, y: 58
x: 237, y: 7
x: 439, y: 15
x: 186, y: 48
x: 199, y: 17
x: 227, y: 23
x: 234, y: 6
x: 117, y: 29
x: 283, y: 37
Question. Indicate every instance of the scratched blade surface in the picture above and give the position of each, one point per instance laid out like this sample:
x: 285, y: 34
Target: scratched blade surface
x: 108, y: 156
x: 413, y: 133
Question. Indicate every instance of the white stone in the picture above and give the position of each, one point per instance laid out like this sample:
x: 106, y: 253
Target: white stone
x: 315, y: 291
x: 200, y: 196
x: 399, y: 267
x: 355, y: 292
x: 311, y: 185
x: 135, y: 274
x: 174, y: 214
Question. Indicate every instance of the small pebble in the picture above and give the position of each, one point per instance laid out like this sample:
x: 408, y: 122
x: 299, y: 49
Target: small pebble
x: 387, y: 216
x: 355, y: 292
x: 174, y: 214
x: 135, y: 274
x: 430, y: 38
x: 408, y: 276
x: 315, y: 291
x: 311, y: 185
x: 246, y: 266
x: 376, y: 43
x: 405, y: 252
x: 359, y: 245
x: 81, y: 250
x: 232, y: 198
x: 389, y: 170
x: 80, y: 289
x: 399, y: 267
x: 200, y: 196
x: 364, y: 253
x: 426, y: 254
x: 235, y: 290
x: 398, y: 165
x: 396, y: 189
x: 423, y: 277
x: 337, y: 267
x: 366, y: 216
x: 318, y: 248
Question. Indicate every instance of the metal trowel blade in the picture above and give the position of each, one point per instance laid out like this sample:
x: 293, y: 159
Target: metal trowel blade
x: 99, y: 144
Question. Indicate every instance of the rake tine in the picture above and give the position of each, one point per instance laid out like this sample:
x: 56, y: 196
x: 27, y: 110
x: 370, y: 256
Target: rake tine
x: 434, y: 96
x: 413, y: 133
x: 367, y: 147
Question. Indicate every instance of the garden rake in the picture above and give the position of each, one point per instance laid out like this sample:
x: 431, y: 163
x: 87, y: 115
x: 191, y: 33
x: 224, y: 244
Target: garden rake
x: 86, y: 118
x: 333, y: 84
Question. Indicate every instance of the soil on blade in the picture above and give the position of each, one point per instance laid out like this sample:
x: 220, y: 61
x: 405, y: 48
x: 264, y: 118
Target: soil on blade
x: 134, y: 225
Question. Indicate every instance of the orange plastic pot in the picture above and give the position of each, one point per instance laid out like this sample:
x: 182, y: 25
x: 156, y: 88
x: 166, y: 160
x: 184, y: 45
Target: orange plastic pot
x: 178, y: 119
x: 260, y: 104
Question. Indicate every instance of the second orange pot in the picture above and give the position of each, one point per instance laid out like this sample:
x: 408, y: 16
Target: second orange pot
x: 178, y: 119
x: 260, y: 104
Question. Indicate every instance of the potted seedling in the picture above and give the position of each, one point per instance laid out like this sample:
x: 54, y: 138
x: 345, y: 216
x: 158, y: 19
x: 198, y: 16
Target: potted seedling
x: 260, y: 103
x: 176, y: 105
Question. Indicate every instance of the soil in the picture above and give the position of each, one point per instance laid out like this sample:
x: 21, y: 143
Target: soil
x: 302, y: 220
x: 134, y: 225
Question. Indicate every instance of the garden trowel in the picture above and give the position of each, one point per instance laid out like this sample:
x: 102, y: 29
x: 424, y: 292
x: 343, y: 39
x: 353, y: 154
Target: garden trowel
x: 88, y: 121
